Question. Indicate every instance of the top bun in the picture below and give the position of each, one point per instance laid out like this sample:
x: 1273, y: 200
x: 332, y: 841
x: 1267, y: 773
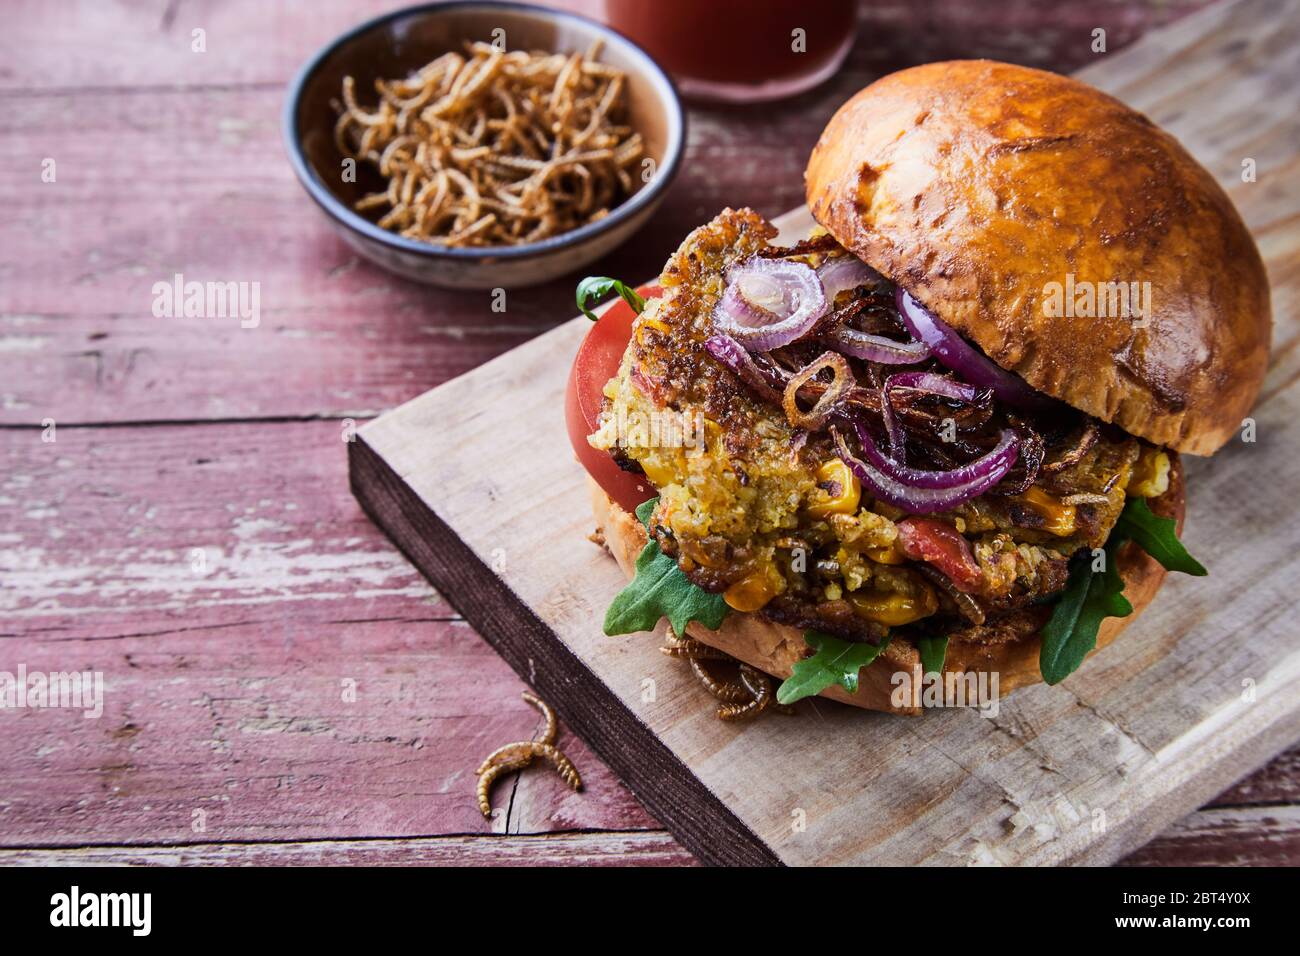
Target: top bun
x: 975, y: 184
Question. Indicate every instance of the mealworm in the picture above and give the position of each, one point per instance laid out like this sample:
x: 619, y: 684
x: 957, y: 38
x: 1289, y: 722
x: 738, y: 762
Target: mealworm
x: 750, y: 708
x: 485, y: 781
x: 688, y: 647
x: 756, y: 683
x: 748, y: 697
x: 518, y: 754
x: 729, y: 691
x: 760, y: 686
x: 548, y: 712
x: 563, y: 764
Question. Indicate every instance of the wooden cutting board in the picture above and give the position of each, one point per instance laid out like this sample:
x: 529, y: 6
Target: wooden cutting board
x: 476, y: 483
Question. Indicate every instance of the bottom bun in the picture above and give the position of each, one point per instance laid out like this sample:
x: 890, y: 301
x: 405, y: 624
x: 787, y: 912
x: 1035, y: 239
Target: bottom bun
x: 776, y: 648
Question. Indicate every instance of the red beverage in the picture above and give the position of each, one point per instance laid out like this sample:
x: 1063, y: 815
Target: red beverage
x: 740, y: 51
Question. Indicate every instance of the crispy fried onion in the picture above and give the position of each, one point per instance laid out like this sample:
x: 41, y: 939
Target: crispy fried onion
x: 816, y: 417
x: 1075, y: 455
x: 816, y: 244
x: 1026, y: 469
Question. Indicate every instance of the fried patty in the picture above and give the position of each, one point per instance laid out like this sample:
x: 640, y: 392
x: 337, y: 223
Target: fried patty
x: 743, y: 514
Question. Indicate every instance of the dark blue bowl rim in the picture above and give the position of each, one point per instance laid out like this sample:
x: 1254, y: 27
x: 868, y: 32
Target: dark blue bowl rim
x: 347, y: 217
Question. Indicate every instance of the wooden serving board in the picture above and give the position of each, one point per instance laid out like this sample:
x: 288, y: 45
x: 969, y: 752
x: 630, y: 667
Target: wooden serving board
x: 475, y: 481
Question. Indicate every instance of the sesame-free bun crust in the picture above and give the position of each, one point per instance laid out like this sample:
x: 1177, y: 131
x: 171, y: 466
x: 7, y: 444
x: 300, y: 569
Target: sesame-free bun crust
x: 974, y: 184
x: 776, y: 648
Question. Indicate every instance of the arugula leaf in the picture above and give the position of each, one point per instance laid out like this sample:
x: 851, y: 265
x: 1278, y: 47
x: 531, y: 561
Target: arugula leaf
x: 660, y: 589
x: 1157, y: 536
x: 836, y: 662
x: 1089, y: 597
x: 644, y: 510
x: 597, y: 287
x: 933, y: 652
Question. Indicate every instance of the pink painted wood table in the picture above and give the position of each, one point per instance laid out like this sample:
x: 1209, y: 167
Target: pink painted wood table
x: 280, y: 685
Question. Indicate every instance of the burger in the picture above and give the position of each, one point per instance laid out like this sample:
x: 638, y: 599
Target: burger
x: 939, y: 436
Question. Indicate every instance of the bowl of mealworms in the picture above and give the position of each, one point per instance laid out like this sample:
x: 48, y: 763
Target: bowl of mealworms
x: 480, y: 145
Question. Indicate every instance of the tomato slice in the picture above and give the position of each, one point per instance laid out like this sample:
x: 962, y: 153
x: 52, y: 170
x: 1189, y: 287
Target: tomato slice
x: 939, y: 543
x: 596, y: 363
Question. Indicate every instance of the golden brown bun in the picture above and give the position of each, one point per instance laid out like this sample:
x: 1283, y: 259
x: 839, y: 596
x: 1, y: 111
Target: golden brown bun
x: 973, y: 184
x: 775, y: 648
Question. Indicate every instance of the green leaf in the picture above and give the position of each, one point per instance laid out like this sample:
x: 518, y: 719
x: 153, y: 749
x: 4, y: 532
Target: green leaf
x: 836, y: 662
x: 1092, y: 596
x: 1089, y: 597
x: 644, y: 510
x: 660, y: 589
x: 933, y: 652
x: 1157, y: 536
x: 597, y: 287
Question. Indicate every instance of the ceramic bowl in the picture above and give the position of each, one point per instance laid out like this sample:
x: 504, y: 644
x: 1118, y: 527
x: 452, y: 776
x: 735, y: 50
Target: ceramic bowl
x: 400, y: 42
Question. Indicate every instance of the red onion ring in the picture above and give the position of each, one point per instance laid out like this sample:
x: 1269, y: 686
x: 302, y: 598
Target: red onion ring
x: 735, y: 357
x: 930, y: 382
x: 846, y: 272
x: 1030, y: 463
x: 921, y: 492
x: 877, y: 348
x: 769, y: 303
x: 956, y: 353
x: 849, y: 272
x: 997, y: 462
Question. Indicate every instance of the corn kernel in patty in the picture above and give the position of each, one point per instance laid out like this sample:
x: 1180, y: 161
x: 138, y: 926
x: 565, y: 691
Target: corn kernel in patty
x: 841, y: 488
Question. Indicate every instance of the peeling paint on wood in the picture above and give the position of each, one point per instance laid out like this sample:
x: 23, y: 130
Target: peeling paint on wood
x: 633, y: 848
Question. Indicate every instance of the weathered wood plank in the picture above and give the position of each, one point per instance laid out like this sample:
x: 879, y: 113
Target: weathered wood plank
x: 634, y: 848
x: 252, y: 42
x: 335, y: 336
x: 150, y: 42
x: 1264, y: 836
x: 1218, y: 838
x: 117, y: 531
x: 1277, y: 783
x: 224, y: 686
x: 280, y: 730
x: 273, y: 731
